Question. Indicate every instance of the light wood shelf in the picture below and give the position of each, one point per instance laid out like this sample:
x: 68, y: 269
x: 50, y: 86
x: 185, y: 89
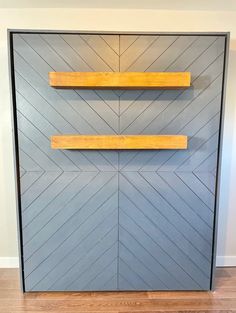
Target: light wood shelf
x: 119, y: 142
x: 120, y: 80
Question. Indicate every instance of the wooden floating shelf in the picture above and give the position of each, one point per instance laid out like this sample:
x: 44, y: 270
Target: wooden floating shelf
x: 119, y: 142
x: 120, y: 80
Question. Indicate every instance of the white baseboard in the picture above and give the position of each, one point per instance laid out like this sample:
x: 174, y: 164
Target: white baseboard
x: 229, y: 260
x: 9, y: 262
x: 13, y: 262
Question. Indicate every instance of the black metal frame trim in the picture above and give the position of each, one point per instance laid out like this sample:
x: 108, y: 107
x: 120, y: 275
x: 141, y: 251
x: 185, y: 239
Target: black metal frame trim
x: 11, y: 32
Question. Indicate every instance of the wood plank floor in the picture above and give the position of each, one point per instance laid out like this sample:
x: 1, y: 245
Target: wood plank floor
x: 223, y: 299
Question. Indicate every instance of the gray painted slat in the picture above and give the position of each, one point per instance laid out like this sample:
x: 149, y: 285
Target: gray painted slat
x: 208, y: 179
x: 87, y: 260
x: 113, y: 41
x: 124, y: 284
x: 126, y: 41
x: 41, y: 61
x: 172, y: 107
x: 98, y: 251
x: 40, y: 103
x: 169, y: 269
x: 37, y: 59
x: 145, y: 273
x: 194, y: 226
x: 37, y: 188
x: 48, y: 203
x: 198, y: 188
x: 130, y: 274
x: 101, y: 108
x: 54, y: 98
x: 162, y: 276
x: 70, y: 195
x: 28, y: 179
x: 28, y: 163
x: 79, y: 209
x: 208, y: 165
x: 44, y: 50
x: 202, y: 144
x: 144, y: 51
x: 172, y: 223
x: 191, y: 128
x: 82, y: 240
x: 151, y: 54
x: 36, y: 134
x: 31, y: 151
x: 185, y: 279
x: 69, y: 161
x: 86, y: 157
x: 108, y: 272
x: 194, y: 52
x: 87, y: 53
x: 191, y: 199
x: 103, y: 50
x: 200, y: 155
x: 110, y: 283
x: 168, y: 57
x: 48, y: 93
x: 128, y: 97
x: 138, y: 106
x: 43, y: 68
x: 207, y: 105
x: 101, y: 264
x: 110, y: 98
x: 75, y: 249
x: 66, y: 52
x: 176, y: 107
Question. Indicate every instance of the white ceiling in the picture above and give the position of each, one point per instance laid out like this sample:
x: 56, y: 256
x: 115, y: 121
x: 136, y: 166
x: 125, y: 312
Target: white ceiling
x: 214, y: 5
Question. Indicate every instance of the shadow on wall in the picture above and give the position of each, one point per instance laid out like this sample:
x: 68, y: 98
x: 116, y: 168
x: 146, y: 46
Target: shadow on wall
x: 138, y: 94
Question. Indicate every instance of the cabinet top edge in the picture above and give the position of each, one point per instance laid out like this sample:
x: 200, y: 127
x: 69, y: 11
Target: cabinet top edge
x: 95, y: 32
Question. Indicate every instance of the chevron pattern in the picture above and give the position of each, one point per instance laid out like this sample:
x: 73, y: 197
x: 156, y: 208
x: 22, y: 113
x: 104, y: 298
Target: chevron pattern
x: 59, y: 246
x: 117, y: 220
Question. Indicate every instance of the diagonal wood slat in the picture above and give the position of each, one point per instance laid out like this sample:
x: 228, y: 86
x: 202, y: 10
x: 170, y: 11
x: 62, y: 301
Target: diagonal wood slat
x: 117, y: 220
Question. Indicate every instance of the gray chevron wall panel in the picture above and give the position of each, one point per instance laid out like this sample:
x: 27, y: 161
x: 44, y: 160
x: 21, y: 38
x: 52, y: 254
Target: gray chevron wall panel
x: 117, y: 220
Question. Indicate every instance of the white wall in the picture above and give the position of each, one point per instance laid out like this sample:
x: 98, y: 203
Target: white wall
x: 117, y: 20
